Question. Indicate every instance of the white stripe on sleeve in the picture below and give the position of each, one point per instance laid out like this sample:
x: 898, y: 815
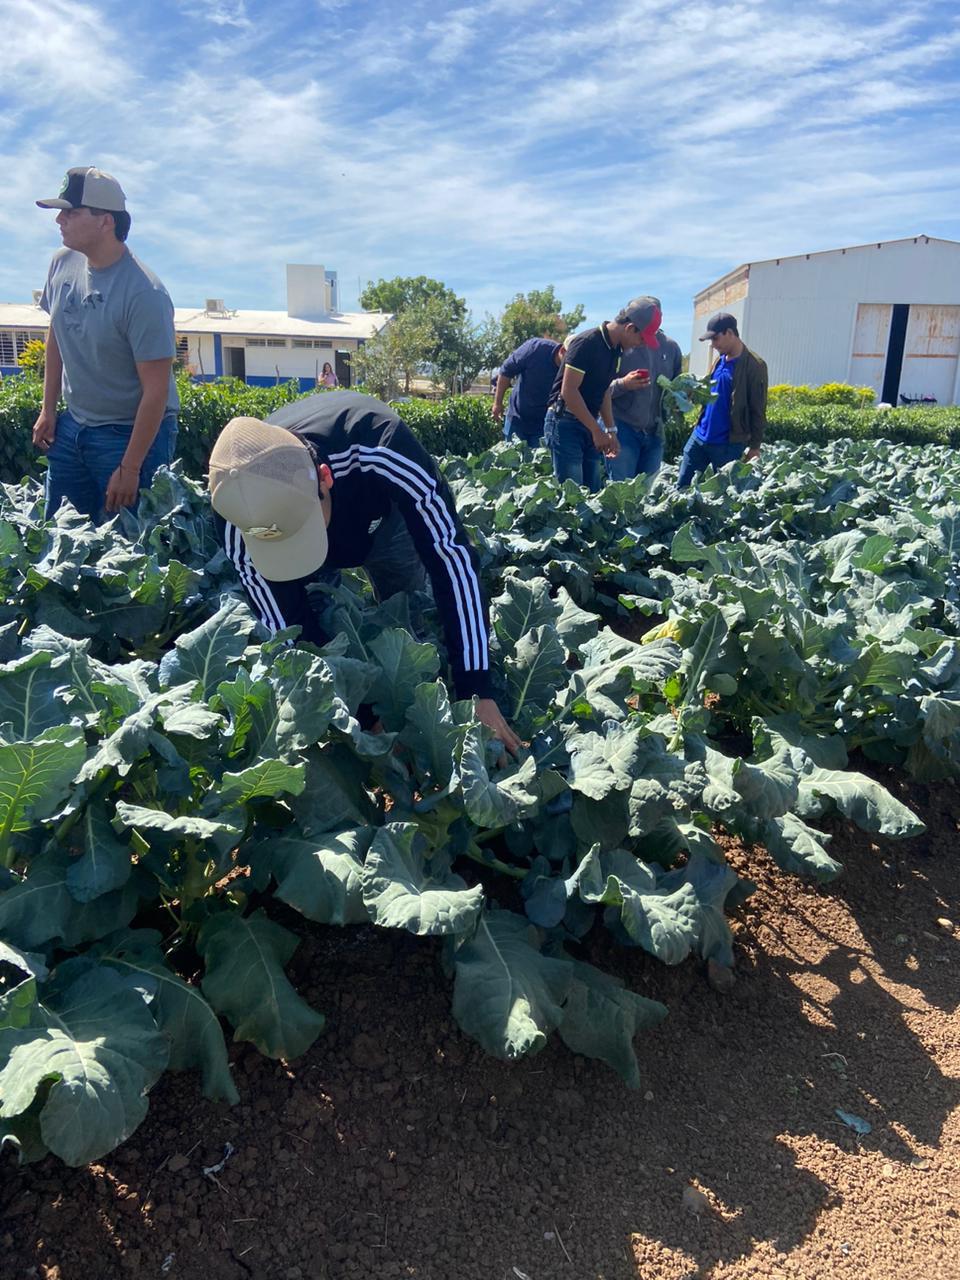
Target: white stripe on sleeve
x: 421, y: 486
x: 257, y: 588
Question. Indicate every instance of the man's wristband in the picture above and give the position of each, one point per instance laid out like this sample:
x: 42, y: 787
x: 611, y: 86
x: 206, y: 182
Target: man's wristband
x: 129, y: 466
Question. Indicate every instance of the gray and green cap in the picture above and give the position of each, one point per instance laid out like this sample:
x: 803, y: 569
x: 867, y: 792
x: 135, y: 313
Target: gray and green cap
x: 88, y: 187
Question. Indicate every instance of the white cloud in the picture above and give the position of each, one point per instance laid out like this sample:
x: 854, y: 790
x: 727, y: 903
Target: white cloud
x: 56, y: 53
x: 499, y: 145
x: 222, y: 13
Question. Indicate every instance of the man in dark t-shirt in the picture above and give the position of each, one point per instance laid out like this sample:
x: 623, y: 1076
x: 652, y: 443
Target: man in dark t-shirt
x: 534, y: 365
x: 581, y: 393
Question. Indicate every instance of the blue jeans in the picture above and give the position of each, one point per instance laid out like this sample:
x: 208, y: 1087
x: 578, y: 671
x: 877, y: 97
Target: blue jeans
x: 575, y: 456
x: 82, y: 459
x: 514, y: 427
x: 697, y: 456
x: 641, y: 453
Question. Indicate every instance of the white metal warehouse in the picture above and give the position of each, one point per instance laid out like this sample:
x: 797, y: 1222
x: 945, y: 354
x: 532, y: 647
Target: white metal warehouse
x: 883, y: 315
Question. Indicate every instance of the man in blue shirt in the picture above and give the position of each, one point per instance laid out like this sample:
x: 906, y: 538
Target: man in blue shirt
x: 534, y: 364
x: 735, y: 419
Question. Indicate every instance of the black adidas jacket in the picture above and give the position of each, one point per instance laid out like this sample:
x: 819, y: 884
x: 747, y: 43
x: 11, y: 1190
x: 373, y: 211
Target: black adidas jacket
x: 378, y: 463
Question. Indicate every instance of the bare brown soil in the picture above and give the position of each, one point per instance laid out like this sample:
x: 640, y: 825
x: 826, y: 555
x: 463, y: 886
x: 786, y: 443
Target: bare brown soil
x: 396, y: 1149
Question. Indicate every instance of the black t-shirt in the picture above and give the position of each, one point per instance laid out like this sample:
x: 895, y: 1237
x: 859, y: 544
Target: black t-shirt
x: 592, y: 354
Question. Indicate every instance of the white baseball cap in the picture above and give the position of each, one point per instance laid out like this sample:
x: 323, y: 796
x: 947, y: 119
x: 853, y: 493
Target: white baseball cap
x: 263, y: 479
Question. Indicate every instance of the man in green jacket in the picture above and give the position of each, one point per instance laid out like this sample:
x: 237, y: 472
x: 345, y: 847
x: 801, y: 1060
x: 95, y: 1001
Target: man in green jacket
x: 735, y: 419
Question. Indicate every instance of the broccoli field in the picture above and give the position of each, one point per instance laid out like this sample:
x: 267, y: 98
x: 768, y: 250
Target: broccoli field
x: 727, y: 660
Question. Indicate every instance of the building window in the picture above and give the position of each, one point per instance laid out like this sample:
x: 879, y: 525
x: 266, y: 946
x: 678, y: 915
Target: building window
x: 24, y: 336
x: 13, y: 343
x: 311, y: 344
x: 183, y: 349
x: 276, y: 342
x: 256, y: 342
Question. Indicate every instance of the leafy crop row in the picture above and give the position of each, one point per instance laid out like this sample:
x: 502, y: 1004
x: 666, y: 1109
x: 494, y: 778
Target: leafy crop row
x: 834, y: 577
x: 165, y: 777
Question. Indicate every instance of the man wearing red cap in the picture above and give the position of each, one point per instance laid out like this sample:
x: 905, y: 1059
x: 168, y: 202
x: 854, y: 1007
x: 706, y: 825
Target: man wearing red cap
x: 637, y: 405
x: 580, y: 397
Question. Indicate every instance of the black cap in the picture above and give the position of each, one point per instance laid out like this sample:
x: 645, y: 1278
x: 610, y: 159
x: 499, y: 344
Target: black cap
x: 88, y: 187
x: 722, y: 322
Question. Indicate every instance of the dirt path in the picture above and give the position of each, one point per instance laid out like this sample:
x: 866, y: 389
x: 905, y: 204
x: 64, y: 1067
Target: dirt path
x: 396, y: 1149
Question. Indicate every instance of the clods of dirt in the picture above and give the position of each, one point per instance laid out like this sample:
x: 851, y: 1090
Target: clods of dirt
x: 395, y: 1149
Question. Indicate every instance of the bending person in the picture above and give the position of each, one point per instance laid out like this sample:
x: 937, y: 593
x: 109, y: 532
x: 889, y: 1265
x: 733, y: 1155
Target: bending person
x: 534, y: 364
x: 337, y: 481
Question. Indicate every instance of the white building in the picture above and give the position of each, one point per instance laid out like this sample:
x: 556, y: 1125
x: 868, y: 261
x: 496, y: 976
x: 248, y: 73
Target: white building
x: 883, y: 315
x: 259, y: 347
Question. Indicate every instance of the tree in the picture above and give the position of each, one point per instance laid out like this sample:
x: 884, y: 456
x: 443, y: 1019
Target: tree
x: 386, y: 364
x: 537, y: 314
x: 462, y: 350
x: 431, y: 329
x: 33, y: 356
x: 404, y: 293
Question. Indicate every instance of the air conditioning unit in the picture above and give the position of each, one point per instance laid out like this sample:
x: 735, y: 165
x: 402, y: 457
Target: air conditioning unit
x: 37, y: 295
x: 214, y: 305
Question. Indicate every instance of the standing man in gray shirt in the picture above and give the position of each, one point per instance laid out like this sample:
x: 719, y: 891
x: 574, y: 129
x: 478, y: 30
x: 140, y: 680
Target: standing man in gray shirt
x: 636, y: 402
x: 110, y: 349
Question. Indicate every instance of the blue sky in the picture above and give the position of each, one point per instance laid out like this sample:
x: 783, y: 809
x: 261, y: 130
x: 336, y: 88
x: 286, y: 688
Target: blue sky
x: 609, y: 149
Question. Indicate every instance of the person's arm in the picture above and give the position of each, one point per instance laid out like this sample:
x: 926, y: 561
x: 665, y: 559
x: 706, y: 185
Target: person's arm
x: 124, y: 484
x: 606, y: 412
x: 758, y: 409
x: 634, y: 379
x: 410, y: 477
x: 45, y: 427
x: 502, y: 387
x: 573, y: 401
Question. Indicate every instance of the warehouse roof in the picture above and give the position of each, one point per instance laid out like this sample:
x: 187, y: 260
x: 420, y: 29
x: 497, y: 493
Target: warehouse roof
x: 744, y: 269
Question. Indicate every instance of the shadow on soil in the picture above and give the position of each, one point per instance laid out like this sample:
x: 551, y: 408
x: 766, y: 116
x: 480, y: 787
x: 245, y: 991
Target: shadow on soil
x: 395, y: 1149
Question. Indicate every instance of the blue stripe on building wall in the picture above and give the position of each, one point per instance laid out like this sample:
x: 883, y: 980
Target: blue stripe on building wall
x: 217, y: 356
x: 262, y: 380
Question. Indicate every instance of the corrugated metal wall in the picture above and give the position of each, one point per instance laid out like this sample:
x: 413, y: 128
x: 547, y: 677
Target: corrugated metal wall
x: 820, y: 317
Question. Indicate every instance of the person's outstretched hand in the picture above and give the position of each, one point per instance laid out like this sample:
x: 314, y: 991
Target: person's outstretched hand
x: 489, y: 713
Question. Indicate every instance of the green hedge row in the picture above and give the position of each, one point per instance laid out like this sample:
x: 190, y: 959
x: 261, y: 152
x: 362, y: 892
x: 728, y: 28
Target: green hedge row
x: 457, y: 425
x: 785, y: 395
x: 460, y: 424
